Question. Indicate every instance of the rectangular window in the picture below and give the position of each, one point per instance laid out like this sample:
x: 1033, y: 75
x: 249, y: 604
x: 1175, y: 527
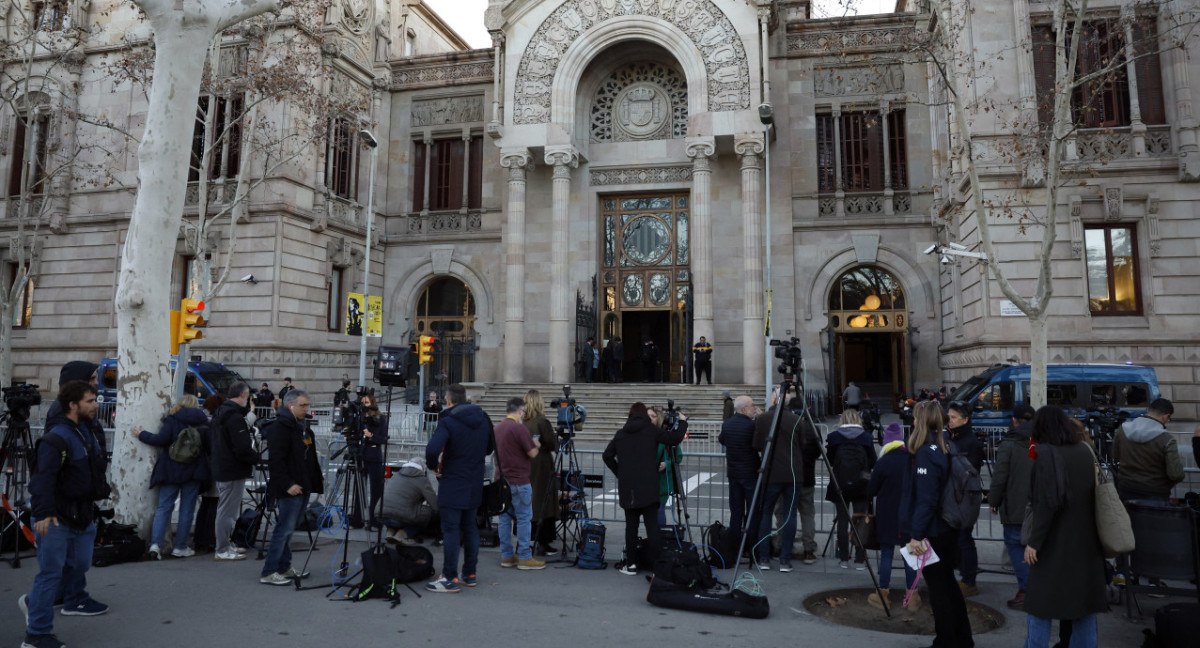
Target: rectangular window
x: 861, y: 145
x: 1103, y: 101
x: 342, y: 155
x: 334, y: 301
x: 448, y: 159
x: 50, y: 15
x: 225, y: 140
x: 29, y: 153
x: 22, y: 309
x: 1112, y: 270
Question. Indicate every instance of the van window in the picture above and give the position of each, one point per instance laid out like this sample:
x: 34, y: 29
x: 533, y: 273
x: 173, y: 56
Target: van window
x: 1120, y: 394
x: 996, y: 397
x: 109, y: 379
x: 1064, y: 395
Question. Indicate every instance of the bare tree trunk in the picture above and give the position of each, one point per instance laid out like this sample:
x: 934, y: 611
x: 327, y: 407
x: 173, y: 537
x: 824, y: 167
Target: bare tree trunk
x: 1037, y: 359
x: 143, y: 340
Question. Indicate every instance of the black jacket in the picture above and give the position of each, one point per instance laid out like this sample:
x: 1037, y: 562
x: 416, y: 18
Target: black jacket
x: 372, y: 449
x: 166, y: 469
x: 55, y: 415
x: 632, y: 456
x: 968, y: 444
x: 787, y: 460
x: 737, y: 436
x: 292, y: 457
x: 263, y: 397
x: 233, y: 454
x: 840, y: 437
x: 69, y: 475
x: 886, y: 486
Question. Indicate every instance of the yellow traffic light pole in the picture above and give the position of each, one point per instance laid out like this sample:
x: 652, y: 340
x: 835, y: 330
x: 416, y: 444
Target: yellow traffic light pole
x: 185, y: 325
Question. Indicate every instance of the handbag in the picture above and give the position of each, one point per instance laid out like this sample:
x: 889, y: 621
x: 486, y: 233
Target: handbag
x: 1112, y: 520
x: 865, y: 532
x: 497, y: 494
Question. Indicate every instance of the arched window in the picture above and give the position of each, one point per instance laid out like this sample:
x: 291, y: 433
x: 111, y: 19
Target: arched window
x: 867, y: 297
x: 446, y: 306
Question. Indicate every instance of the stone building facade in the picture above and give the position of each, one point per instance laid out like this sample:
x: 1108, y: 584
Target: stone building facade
x: 602, y: 171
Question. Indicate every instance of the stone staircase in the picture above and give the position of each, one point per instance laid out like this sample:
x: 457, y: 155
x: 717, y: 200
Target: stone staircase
x: 607, y: 404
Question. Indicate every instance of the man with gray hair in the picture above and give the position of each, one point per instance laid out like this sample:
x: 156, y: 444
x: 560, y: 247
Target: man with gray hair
x: 295, y: 473
x: 233, y: 459
x: 741, y: 459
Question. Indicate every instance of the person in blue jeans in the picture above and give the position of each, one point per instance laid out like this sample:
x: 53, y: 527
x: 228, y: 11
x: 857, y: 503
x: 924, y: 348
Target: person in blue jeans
x: 68, y: 479
x: 460, y: 443
x: 174, y: 479
x: 1009, y: 494
x: 295, y: 473
x: 514, y: 450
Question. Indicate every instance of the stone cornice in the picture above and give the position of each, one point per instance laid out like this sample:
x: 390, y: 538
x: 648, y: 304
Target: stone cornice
x: 838, y: 36
x: 639, y: 175
x: 442, y: 70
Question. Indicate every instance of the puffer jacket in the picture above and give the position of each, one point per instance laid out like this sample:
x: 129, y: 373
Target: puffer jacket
x: 632, y: 456
x: 1011, y: 475
x: 737, y: 437
x: 1147, y: 458
x: 169, y: 471
x: 460, y: 443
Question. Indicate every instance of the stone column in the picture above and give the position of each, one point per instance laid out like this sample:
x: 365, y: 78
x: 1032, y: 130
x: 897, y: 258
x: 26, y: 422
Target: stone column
x: 466, y: 174
x: 428, y: 141
x: 700, y: 150
x: 753, y: 360
x: 516, y: 161
x: 561, y: 360
x: 1170, y: 16
x: 839, y: 192
x: 889, y: 209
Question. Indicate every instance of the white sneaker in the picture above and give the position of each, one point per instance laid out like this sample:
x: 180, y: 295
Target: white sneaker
x: 155, y: 553
x: 183, y: 552
x: 241, y: 551
x: 21, y: 603
x: 229, y: 555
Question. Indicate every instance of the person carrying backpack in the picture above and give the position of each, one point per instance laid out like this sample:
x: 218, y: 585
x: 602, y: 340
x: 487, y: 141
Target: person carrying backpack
x: 181, y: 471
x: 852, y: 456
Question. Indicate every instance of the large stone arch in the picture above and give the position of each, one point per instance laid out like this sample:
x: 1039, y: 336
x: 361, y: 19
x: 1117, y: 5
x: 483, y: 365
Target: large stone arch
x: 917, y: 286
x: 702, y: 37
x: 404, y: 296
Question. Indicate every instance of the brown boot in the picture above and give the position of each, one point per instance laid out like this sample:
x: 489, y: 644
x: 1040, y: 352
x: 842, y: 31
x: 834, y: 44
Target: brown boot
x: 874, y: 599
x: 914, y: 604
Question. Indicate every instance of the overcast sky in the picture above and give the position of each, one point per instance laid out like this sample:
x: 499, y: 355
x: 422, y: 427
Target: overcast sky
x: 466, y: 16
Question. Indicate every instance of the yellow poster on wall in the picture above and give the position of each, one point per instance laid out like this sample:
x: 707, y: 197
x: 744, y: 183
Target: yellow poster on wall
x: 374, y: 316
x: 354, y: 314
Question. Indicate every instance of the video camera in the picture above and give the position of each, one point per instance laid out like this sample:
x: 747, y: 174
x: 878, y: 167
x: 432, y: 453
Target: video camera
x: 350, y: 418
x: 671, y: 416
x: 789, y: 352
x: 20, y: 398
x: 570, y: 414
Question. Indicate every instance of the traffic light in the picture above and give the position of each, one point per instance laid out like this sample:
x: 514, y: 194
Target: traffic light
x: 174, y: 332
x: 190, y: 320
x: 425, y: 349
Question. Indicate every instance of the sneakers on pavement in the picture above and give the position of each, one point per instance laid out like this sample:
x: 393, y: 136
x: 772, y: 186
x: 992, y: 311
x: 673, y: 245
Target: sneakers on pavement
x: 509, y: 562
x: 531, y: 563
x: 275, y: 579
x: 785, y: 566
x: 229, y: 555
x: 444, y: 585
x: 183, y: 552
x: 89, y: 607
x: 809, y: 558
x: 765, y: 565
x: 860, y: 565
x: 292, y: 573
x: 844, y: 564
x: 470, y: 580
x: 627, y: 569
x: 155, y: 553
x: 42, y: 641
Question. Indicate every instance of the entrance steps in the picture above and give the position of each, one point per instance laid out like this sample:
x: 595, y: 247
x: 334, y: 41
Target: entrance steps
x: 607, y: 404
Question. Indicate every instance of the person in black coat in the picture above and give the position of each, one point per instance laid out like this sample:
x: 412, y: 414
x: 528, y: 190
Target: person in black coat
x: 886, y: 485
x: 649, y: 357
x: 233, y: 461
x: 854, y: 495
x: 785, y: 470
x: 295, y: 474
x: 958, y: 424
x: 924, y: 481
x: 741, y: 461
x: 632, y: 456
x: 375, y: 438
x: 175, y: 479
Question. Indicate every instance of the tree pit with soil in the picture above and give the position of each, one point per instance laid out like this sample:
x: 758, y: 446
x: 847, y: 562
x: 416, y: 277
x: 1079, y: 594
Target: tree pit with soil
x: 849, y: 607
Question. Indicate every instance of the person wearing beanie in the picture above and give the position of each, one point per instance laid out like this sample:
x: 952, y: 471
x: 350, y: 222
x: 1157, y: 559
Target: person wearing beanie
x: 886, y: 480
x: 84, y: 371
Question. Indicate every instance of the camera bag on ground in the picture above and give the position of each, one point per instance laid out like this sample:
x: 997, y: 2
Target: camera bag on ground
x: 116, y: 543
x: 245, y: 529
x: 1177, y: 624
x: 589, y: 553
x: 682, y: 566
x: 385, y: 568
x: 963, y: 493
x: 738, y: 603
x: 669, y: 537
x: 721, y: 543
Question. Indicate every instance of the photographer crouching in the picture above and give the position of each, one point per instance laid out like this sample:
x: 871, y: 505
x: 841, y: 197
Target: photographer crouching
x: 632, y: 456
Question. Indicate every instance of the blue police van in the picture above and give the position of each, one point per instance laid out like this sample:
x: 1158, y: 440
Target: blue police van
x: 1084, y: 390
x: 203, y: 379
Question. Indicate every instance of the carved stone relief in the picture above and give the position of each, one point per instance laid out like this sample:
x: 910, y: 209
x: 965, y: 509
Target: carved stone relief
x: 357, y: 15
x: 641, y: 101
x: 344, y: 86
x: 441, y: 74
x: 725, y: 60
x: 639, y: 175
x: 839, y: 82
x: 450, y: 110
x: 826, y: 41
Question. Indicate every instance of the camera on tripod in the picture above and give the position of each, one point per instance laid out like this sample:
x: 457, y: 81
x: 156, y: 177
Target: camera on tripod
x: 671, y: 416
x: 349, y: 419
x: 570, y: 414
x: 20, y: 398
x: 789, y: 352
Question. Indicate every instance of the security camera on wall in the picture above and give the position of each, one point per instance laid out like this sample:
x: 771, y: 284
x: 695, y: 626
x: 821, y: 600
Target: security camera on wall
x: 766, y: 114
x: 946, y: 260
x: 931, y: 249
x: 249, y: 279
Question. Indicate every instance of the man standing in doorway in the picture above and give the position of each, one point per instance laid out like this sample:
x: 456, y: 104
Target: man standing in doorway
x: 852, y: 395
x: 462, y: 439
x: 702, y: 351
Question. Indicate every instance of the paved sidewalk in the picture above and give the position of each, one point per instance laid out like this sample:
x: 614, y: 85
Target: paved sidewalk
x: 197, y: 602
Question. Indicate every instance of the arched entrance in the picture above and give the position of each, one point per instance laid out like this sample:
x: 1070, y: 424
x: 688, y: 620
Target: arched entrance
x: 446, y: 310
x: 869, y: 320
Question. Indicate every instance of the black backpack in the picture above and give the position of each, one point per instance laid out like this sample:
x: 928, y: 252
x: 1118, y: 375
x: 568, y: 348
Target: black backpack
x: 722, y: 545
x: 116, y: 543
x: 852, y: 470
x: 963, y: 493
